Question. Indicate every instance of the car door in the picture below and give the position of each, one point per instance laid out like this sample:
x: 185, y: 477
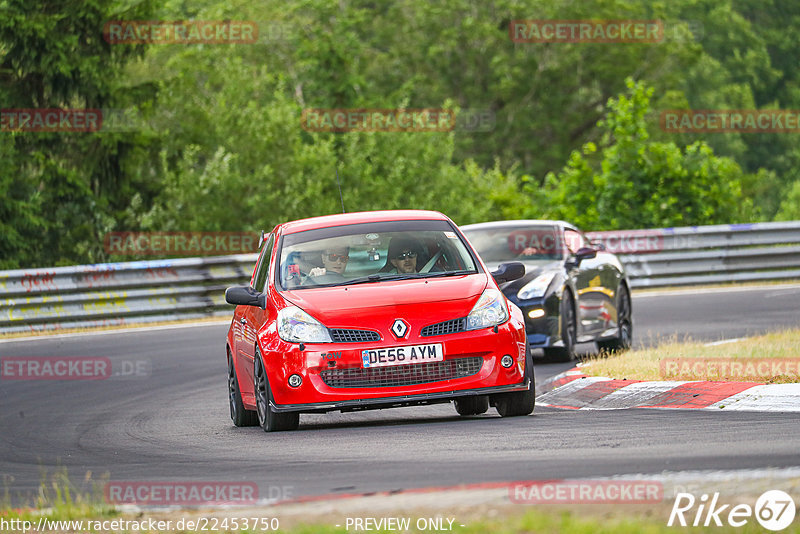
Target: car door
x: 251, y: 319
x: 587, y: 277
x: 610, y: 276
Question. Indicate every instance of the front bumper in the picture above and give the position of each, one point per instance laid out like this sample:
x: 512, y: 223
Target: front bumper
x: 315, y: 394
x: 542, y: 331
x: 536, y: 341
x: 396, y: 402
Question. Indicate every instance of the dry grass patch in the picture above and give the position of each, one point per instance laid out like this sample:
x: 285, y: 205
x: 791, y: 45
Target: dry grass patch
x: 772, y: 358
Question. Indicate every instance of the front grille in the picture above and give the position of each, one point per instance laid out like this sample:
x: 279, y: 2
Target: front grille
x: 447, y: 327
x: 402, y: 375
x: 347, y: 335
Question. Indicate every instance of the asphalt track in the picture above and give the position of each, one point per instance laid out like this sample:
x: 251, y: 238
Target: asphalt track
x: 170, y: 421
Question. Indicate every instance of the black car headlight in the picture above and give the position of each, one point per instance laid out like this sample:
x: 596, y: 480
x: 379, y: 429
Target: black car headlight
x: 537, y: 287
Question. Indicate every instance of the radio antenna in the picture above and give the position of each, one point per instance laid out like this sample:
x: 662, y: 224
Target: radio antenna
x: 340, y: 189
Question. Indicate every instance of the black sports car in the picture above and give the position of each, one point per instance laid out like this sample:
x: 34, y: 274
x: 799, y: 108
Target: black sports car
x: 573, y: 290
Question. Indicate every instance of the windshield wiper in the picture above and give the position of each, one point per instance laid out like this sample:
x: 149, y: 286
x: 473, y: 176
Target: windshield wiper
x: 449, y: 273
x: 377, y: 278
x: 406, y: 276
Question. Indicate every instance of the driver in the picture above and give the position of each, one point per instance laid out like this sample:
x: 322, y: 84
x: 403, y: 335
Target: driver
x: 402, y: 255
x: 334, y: 261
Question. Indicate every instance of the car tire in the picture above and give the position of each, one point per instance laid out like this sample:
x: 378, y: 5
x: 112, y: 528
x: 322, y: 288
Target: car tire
x: 472, y: 405
x: 519, y: 402
x: 268, y: 419
x: 624, y: 337
x: 569, y: 328
x: 240, y: 415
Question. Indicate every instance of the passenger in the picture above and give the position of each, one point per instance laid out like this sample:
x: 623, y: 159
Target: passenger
x: 301, y: 264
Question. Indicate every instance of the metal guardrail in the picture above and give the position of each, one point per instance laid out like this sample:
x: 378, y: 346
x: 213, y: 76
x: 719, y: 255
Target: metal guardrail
x: 119, y: 293
x: 149, y: 291
x: 695, y: 255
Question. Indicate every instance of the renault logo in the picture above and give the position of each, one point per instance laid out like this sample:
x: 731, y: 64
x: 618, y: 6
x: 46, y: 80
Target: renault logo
x: 399, y: 328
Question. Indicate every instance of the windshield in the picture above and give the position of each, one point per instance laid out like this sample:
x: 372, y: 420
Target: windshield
x: 372, y: 253
x: 529, y: 244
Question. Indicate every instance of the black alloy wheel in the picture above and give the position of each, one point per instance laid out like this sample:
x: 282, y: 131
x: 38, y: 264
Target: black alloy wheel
x: 268, y: 419
x: 569, y: 332
x: 624, y: 338
x: 240, y: 415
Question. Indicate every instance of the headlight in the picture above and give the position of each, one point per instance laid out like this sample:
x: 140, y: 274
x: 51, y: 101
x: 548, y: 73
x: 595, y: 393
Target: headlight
x: 296, y: 326
x: 490, y: 310
x: 537, y: 287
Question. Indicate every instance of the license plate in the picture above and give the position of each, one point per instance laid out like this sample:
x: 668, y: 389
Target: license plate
x: 409, y: 354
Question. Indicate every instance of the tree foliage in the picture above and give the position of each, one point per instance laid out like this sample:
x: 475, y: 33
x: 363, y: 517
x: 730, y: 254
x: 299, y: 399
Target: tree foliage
x: 217, y: 143
x: 633, y: 182
x: 62, y: 189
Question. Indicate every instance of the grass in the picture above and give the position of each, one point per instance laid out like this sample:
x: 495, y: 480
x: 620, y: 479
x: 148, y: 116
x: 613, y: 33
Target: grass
x: 569, y: 522
x: 528, y: 519
x: 56, y: 498
x: 741, y: 360
x: 565, y: 521
x: 60, y: 500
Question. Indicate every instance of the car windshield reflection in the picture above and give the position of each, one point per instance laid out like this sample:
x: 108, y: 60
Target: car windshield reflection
x: 527, y: 244
x: 365, y: 254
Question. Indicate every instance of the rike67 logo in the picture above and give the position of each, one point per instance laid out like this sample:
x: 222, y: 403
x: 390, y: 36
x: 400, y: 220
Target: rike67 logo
x: 774, y: 510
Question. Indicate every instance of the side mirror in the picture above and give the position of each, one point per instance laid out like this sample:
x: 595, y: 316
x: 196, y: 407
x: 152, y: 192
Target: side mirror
x: 598, y: 244
x: 245, y: 296
x: 583, y: 253
x: 506, y: 272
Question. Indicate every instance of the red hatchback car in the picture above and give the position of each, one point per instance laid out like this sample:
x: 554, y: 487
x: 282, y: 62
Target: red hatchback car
x: 374, y: 310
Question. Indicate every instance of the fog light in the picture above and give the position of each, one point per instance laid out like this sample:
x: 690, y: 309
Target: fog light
x: 507, y: 361
x: 295, y: 381
x: 536, y: 313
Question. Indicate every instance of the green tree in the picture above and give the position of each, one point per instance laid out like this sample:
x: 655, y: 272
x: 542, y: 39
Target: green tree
x: 52, y: 55
x: 790, y: 206
x: 632, y: 182
x: 21, y: 224
x: 253, y: 166
x: 223, y: 147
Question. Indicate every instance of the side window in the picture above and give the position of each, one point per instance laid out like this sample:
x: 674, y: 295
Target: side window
x: 263, y: 266
x: 574, y: 240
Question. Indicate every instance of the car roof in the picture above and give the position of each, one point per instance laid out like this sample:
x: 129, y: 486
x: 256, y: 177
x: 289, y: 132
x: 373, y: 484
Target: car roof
x: 516, y: 223
x: 327, y: 221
